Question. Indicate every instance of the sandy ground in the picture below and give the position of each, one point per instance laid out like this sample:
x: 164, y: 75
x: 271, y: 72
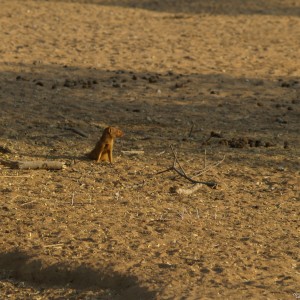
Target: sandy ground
x: 166, y: 73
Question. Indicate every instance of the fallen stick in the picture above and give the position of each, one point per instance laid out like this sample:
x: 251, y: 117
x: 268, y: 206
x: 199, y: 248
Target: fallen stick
x: 46, y: 164
x: 27, y: 203
x: 14, y: 176
x: 191, y: 130
x: 133, y: 152
x: 53, y: 245
x: 78, y: 131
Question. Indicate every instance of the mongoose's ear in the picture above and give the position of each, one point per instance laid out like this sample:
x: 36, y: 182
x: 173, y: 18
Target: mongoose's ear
x: 109, y: 130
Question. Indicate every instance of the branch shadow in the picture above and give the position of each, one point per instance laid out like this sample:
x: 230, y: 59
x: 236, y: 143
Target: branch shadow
x: 18, y: 266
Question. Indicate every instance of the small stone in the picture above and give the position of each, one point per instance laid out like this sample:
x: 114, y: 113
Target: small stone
x: 204, y: 270
x: 258, y: 143
x: 218, y: 269
x: 216, y: 134
x: 68, y: 83
x: 285, y: 84
x: 152, y: 79
x: 269, y: 144
x: 116, y: 85
x: 39, y: 83
x: 281, y: 121
x: 178, y: 85
x: 223, y: 142
x: 251, y: 143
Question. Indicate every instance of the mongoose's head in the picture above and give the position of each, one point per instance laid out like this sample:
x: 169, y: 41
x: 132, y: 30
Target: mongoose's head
x: 114, y: 132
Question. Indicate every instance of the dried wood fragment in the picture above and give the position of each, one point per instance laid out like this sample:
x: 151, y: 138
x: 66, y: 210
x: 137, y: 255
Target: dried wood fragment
x: 53, y: 246
x: 44, y: 164
x: 133, y: 152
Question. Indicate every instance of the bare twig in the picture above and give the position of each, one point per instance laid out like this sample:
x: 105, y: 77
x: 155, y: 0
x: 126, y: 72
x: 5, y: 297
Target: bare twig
x: 182, y: 173
x: 209, y: 167
x: 72, y: 200
x: 212, y: 135
x: 27, y: 203
x: 197, y: 211
x: 208, y: 183
x: 164, y: 171
x: 76, y: 130
x: 176, y: 160
x: 206, y: 141
x: 191, y: 130
x: 160, y: 153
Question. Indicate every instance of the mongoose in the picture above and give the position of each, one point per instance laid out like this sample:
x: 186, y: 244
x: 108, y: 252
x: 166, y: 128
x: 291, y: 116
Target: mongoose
x: 104, y: 147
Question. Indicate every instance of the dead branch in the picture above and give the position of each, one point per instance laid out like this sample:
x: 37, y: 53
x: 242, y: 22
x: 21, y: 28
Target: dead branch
x: 182, y: 173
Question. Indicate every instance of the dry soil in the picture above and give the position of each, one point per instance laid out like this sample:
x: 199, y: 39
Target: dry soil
x: 216, y: 80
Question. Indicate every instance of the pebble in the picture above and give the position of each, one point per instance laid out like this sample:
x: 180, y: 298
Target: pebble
x: 281, y: 121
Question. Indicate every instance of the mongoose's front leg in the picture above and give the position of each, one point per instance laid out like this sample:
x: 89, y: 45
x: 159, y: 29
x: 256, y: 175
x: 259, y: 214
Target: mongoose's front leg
x: 110, y: 156
x: 100, y: 152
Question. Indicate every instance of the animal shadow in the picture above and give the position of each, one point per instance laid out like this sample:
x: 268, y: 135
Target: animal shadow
x: 19, y: 267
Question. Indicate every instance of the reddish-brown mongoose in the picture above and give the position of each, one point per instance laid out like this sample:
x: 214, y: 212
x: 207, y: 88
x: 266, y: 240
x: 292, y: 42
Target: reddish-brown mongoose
x: 104, y: 147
